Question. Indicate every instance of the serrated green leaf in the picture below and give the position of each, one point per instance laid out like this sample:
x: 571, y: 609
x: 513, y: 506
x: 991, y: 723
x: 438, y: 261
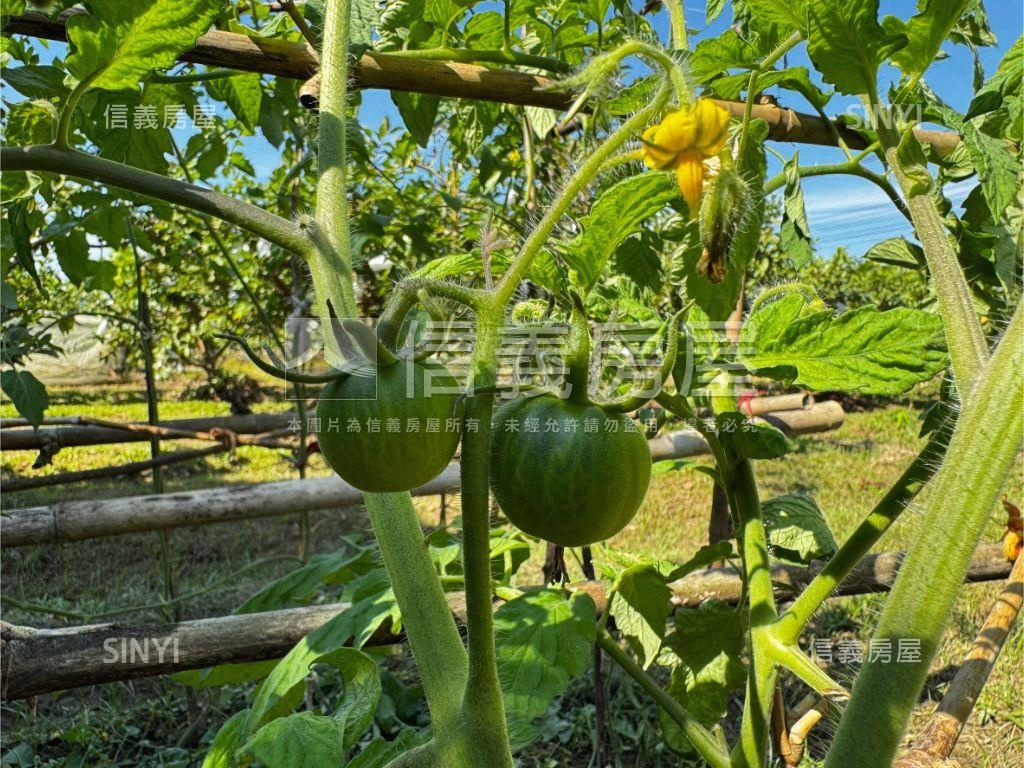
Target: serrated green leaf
x: 372, y: 603
x: 795, y: 230
x: 221, y: 753
x: 925, y: 33
x: 36, y: 81
x: 716, y: 55
x: 362, y: 692
x: 118, y: 43
x: 898, y: 252
x: 640, y: 606
x: 243, y: 94
x: 418, y: 111
x: 914, y: 163
x: 303, y: 740
x: 705, y: 653
x: 615, y: 215
x: 543, y: 639
x: 863, y: 350
x: 31, y: 122
x: 1005, y: 82
x: 997, y: 167
x: 791, y: 14
x: 796, y: 79
x: 747, y: 439
x: 380, y: 752
x: 706, y: 555
x: 847, y: 44
x: 797, y: 530
x: 297, y: 587
x: 27, y: 393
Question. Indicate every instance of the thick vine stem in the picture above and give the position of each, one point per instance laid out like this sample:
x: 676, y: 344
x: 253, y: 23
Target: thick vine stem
x: 965, y: 338
x: 701, y: 738
x: 428, y: 620
x: 795, y: 619
x: 331, y: 266
x: 84, y: 167
x: 980, y: 456
x: 483, y: 711
x: 745, y: 503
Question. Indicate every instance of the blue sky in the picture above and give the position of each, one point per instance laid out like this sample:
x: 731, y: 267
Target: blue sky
x: 842, y: 210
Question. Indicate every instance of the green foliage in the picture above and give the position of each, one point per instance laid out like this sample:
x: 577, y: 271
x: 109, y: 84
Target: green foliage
x: 797, y: 530
x: 705, y: 653
x: 862, y: 350
x: 543, y: 640
x: 847, y: 44
x: 118, y: 44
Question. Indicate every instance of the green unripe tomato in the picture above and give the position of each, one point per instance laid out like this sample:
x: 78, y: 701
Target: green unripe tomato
x: 412, y: 405
x: 575, y: 486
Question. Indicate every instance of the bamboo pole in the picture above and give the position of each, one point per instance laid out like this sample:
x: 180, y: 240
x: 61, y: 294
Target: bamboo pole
x: 940, y: 735
x: 297, y: 60
x: 38, y: 661
x: 13, y: 437
x: 94, y: 518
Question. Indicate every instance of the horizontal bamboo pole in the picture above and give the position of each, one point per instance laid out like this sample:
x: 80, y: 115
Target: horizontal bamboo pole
x: 94, y: 518
x: 53, y: 438
x: 756, y: 406
x: 38, y: 661
x: 454, y: 79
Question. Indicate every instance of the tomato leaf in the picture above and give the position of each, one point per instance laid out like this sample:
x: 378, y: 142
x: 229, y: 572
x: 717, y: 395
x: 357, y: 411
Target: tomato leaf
x: 222, y: 751
x: 242, y: 94
x: 797, y: 529
x: 27, y: 393
x: 640, y: 606
x: 925, y: 33
x: 543, y: 640
x: 418, y: 111
x: 795, y: 231
x: 847, y: 44
x: 118, y: 44
x: 863, y: 350
x: 303, y: 740
x: 705, y: 653
x: 616, y: 214
x: 747, y: 439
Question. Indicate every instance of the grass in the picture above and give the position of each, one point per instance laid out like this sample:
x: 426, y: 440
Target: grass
x: 156, y: 722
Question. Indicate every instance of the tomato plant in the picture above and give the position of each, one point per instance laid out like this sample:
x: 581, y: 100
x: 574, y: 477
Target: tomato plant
x: 668, y: 194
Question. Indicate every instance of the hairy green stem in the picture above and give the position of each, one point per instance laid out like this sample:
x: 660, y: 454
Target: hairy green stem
x: 980, y: 456
x: 793, y: 621
x: 965, y: 338
x: 851, y: 167
x: 331, y: 266
x: 701, y: 738
x: 79, y: 165
x: 483, y: 710
x: 677, y: 24
x: 745, y: 503
x: 586, y: 173
x: 427, y: 618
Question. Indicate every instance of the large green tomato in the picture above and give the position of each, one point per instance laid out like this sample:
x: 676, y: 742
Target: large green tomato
x: 566, y: 472
x: 392, y: 428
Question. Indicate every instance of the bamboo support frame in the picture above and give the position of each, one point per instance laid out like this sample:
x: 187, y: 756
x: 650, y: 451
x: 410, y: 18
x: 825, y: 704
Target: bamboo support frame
x: 38, y: 661
x: 453, y: 79
x: 87, y: 519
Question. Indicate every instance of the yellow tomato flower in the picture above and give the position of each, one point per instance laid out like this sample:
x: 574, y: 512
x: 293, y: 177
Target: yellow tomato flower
x: 690, y: 176
x: 681, y: 142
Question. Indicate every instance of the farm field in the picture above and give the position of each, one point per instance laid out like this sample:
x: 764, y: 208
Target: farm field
x: 226, y: 564
x: 520, y: 384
